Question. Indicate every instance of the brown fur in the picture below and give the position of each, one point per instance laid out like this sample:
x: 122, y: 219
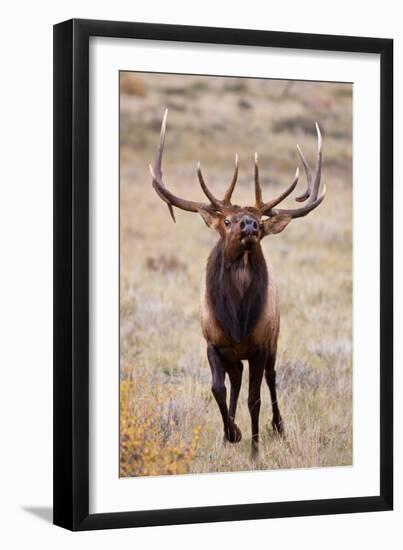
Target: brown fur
x: 265, y: 331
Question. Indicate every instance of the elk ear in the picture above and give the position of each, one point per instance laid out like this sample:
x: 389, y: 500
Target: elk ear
x: 211, y: 219
x: 275, y: 224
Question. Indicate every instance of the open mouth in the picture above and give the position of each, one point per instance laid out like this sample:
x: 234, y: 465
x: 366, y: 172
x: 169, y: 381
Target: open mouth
x: 249, y: 240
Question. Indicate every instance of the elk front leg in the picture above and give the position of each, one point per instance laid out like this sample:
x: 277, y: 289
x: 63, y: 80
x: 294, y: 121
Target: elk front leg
x: 231, y: 431
x: 235, y: 375
x: 256, y: 369
x: 270, y: 374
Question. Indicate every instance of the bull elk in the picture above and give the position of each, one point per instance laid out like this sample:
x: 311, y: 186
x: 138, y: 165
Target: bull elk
x: 239, y: 302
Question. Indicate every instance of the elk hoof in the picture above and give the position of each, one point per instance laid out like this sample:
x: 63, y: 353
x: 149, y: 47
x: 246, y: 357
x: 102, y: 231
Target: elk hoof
x: 278, y: 427
x: 233, y: 434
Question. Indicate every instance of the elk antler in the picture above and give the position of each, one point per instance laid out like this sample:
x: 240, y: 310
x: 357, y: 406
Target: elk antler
x: 311, y: 193
x: 263, y: 206
x: 226, y: 201
x: 188, y: 205
x: 218, y: 205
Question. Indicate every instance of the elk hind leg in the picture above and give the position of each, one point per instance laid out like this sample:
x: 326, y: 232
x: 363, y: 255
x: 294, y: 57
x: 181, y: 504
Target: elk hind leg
x: 270, y: 375
x: 256, y: 368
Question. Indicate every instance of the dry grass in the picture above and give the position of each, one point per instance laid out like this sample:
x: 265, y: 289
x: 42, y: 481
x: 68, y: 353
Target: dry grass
x: 169, y: 421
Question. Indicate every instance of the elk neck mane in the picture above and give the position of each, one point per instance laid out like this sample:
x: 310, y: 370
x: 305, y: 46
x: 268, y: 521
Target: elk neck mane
x: 237, y: 290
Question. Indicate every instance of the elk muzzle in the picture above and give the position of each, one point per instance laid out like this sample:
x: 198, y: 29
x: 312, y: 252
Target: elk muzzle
x: 249, y: 230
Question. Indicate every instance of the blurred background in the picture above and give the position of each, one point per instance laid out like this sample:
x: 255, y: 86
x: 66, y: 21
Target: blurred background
x: 169, y: 422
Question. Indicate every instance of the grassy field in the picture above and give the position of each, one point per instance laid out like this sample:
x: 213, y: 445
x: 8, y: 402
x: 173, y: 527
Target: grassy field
x: 169, y: 420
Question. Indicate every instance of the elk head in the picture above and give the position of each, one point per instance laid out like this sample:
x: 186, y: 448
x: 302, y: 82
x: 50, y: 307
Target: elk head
x: 242, y: 228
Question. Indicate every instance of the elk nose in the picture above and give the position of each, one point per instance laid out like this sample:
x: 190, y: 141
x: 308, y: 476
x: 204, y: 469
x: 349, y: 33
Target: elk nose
x: 248, y: 226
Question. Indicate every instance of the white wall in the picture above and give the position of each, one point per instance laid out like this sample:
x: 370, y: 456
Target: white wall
x: 26, y: 281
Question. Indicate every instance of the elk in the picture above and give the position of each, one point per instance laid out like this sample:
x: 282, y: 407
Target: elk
x: 239, y: 311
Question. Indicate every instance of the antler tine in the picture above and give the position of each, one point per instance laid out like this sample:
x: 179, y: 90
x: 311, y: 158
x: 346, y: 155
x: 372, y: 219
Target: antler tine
x: 158, y: 184
x: 158, y: 159
x: 274, y: 202
x: 226, y: 201
x: 258, y: 190
x: 306, y: 194
x: 228, y: 194
x: 265, y: 206
x: 299, y: 212
x: 312, y: 190
x: 214, y: 201
x: 312, y: 182
x: 318, y: 167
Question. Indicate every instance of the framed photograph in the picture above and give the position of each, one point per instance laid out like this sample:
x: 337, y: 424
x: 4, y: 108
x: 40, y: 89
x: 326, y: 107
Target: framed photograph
x: 236, y: 364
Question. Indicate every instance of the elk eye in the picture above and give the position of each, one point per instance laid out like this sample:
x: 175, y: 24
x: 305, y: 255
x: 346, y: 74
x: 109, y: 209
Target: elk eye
x: 227, y: 222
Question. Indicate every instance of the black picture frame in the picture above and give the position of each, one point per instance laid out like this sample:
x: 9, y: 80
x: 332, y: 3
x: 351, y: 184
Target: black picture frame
x: 71, y: 274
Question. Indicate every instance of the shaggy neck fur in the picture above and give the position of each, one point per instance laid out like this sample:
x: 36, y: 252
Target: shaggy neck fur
x: 237, y: 290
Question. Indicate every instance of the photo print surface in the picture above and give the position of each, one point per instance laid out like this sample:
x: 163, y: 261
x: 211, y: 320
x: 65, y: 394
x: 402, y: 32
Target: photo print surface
x: 235, y: 321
